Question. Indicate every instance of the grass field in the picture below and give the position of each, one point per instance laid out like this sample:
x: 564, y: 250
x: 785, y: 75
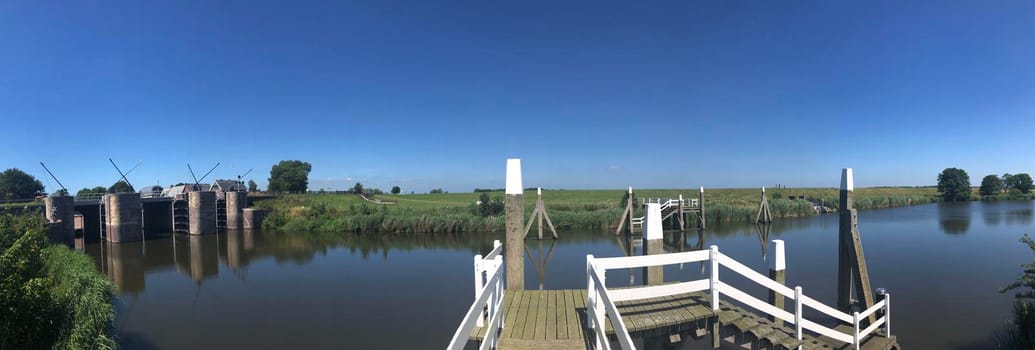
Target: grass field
x: 569, y: 209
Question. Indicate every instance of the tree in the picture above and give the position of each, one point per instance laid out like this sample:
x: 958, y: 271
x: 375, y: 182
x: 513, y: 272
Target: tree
x: 437, y: 190
x: 991, y: 185
x: 99, y: 190
x: 396, y: 190
x: 1021, y: 182
x: 954, y: 184
x: 358, y: 188
x: 121, y: 187
x: 16, y: 184
x: 252, y: 186
x: 290, y: 176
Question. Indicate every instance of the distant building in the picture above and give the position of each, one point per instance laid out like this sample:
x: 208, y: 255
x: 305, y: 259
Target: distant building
x: 229, y: 186
x: 183, y: 189
x: 151, y: 191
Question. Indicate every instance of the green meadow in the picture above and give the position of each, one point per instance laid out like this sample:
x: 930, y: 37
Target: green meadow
x: 569, y: 209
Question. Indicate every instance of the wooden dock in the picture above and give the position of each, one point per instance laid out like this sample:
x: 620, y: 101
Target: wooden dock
x: 556, y: 319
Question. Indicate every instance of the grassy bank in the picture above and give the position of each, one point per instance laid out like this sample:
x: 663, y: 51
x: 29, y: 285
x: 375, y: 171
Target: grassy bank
x: 50, y: 296
x: 589, y: 210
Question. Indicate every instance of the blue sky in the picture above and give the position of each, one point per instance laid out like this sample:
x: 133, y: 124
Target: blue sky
x: 594, y: 94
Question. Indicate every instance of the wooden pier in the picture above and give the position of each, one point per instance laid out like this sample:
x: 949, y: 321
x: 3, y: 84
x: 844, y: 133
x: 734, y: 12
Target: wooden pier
x: 556, y: 319
x: 659, y: 313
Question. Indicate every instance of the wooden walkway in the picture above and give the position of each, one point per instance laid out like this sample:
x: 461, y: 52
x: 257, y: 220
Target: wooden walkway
x: 556, y: 319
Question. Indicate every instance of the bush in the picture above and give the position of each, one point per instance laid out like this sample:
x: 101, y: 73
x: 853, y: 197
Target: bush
x: 51, y: 297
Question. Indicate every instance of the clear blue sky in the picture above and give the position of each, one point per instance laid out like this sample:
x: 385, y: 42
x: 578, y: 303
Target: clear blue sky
x: 593, y: 94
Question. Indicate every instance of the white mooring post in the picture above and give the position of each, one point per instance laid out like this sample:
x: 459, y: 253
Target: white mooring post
x: 713, y: 256
x: 514, y: 216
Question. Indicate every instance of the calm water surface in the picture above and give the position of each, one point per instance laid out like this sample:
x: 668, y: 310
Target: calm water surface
x: 942, y: 263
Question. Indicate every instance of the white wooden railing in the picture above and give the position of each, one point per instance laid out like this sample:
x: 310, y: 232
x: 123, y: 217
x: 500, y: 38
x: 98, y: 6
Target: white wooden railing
x: 601, y: 301
x: 488, y: 301
x: 671, y: 202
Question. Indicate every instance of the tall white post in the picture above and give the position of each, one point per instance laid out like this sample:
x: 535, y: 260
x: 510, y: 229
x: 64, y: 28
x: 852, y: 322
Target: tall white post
x: 652, y: 222
x: 514, y: 218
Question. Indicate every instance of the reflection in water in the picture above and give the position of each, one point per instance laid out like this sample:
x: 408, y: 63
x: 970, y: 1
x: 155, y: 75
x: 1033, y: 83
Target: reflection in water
x: 763, y: 236
x: 541, y: 261
x: 992, y: 213
x: 1021, y: 215
x: 954, y: 218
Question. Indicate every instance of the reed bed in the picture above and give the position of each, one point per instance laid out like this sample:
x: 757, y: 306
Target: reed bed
x: 586, y: 210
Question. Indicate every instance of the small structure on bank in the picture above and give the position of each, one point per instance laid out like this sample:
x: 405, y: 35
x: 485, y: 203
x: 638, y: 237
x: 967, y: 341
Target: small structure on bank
x: 764, y: 215
x: 678, y: 209
x: 538, y: 214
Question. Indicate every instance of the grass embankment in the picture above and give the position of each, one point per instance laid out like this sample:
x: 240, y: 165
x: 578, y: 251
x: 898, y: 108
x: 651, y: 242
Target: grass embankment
x: 569, y: 209
x: 50, y: 296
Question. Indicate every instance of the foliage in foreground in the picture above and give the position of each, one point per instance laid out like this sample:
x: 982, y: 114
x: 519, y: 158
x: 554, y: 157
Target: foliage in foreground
x: 51, y: 297
x: 1020, y: 332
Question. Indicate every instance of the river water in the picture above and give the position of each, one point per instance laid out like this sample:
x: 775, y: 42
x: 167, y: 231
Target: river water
x: 942, y: 264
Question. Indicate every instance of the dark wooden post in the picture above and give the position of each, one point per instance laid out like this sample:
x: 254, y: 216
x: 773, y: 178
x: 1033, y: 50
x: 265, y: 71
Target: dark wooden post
x: 851, y: 260
x: 515, y: 217
x: 764, y: 215
x: 701, y: 223
x: 627, y: 215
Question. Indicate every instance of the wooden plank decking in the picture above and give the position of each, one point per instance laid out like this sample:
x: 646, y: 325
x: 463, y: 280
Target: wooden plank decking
x: 556, y: 319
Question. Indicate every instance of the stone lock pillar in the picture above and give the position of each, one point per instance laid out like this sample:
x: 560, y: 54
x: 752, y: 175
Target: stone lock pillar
x: 60, y: 220
x: 201, y: 209
x: 235, y: 203
x: 123, y: 217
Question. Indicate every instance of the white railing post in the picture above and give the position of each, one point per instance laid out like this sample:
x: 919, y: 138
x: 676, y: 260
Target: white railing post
x: 599, y: 311
x: 499, y: 301
x: 590, y: 290
x: 797, y: 314
x: 713, y: 256
x: 855, y: 336
x: 478, y: 285
x: 887, y: 314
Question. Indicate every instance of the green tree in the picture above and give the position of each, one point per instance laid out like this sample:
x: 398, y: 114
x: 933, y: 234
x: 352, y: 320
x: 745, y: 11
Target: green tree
x: 252, y: 186
x: 991, y: 185
x: 358, y: 188
x: 437, y: 190
x: 121, y: 187
x: 1021, y: 182
x: 99, y: 190
x: 954, y: 184
x: 396, y: 190
x: 16, y: 184
x: 290, y: 176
